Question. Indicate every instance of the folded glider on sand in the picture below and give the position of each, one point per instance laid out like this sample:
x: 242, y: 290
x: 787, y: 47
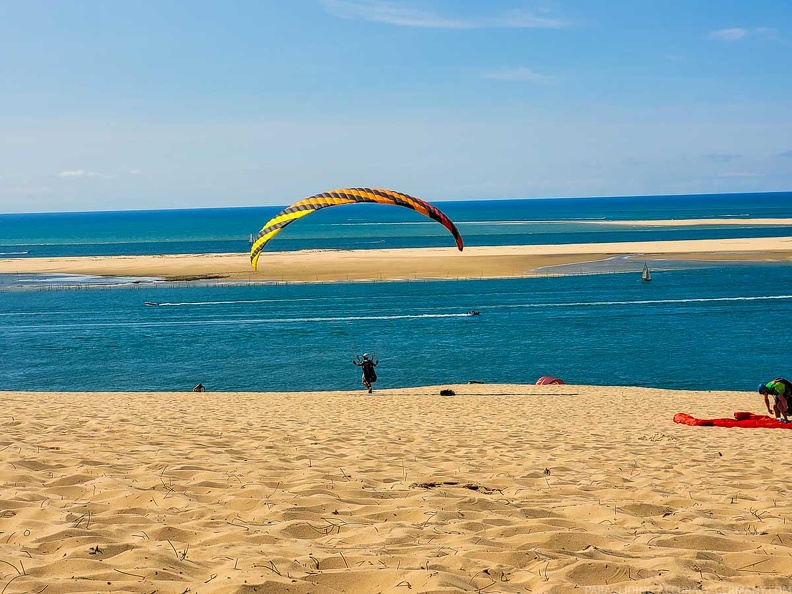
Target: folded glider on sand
x: 741, y: 419
x: 549, y: 380
x: 346, y: 196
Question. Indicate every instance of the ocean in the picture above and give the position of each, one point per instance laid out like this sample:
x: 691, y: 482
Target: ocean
x: 697, y: 325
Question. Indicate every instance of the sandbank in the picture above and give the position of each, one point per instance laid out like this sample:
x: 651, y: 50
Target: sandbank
x: 711, y: 222
x: 730, y: 222
x: 499, y: 488
x: 399, y: 264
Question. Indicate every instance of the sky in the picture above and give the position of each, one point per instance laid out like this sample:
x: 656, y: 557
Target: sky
x: 152, y: 104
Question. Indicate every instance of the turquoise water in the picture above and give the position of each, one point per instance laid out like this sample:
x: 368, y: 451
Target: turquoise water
x: 695, y: 326
x: 492, y: 222
x: 711, y: 328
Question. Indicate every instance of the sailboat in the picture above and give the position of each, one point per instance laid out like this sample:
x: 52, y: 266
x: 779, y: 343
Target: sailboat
x: 646, y: 276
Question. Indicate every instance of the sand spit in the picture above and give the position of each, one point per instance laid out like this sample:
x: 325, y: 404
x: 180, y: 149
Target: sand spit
x: 398, y: 264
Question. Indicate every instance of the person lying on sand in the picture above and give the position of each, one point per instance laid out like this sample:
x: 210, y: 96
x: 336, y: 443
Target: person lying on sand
x: 780, y: 389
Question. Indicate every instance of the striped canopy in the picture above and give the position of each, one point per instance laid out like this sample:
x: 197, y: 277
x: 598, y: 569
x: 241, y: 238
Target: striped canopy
x: 346, y: 196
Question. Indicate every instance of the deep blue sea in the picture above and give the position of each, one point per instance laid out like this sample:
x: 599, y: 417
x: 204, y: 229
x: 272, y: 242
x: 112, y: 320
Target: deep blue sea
x: 700, y: 326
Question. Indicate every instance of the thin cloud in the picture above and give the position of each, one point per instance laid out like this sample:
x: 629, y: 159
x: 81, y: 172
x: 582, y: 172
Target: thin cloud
x: 25, y: 190
x: 734, y: 34
x: 81, y: 173
x: 738, y: 174
x: 521, y: 73
x: 77, y: 173
x: 739, y: 33
x: 722, y: 157
x: 388, y: 12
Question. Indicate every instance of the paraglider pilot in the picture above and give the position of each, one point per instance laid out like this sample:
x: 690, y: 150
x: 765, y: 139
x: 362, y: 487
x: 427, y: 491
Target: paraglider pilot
x: 369, y: 374
x: 781, y: 390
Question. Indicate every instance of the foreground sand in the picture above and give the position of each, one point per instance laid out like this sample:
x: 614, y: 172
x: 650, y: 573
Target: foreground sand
x: 399, y: 264
x: 500, y: 488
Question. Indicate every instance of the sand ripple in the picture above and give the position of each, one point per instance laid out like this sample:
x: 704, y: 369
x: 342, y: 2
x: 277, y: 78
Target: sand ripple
x: 496, y: 489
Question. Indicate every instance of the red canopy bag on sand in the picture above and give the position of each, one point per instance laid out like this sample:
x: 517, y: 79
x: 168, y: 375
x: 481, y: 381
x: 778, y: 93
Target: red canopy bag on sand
x: 549, y: 380
x: 741, y: 419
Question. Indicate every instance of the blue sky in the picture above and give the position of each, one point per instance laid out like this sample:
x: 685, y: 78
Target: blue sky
x: 172, y: 104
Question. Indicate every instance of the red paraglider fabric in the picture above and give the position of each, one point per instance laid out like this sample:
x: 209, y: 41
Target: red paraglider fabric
x: 741, y: 419
x: 549, y: 380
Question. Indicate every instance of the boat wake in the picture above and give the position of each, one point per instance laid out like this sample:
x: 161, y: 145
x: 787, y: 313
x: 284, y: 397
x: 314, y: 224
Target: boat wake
x: 244, y: 321
x: 647, y: 301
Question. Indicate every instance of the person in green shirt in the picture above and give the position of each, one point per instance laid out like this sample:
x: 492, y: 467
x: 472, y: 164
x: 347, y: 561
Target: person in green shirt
x: 781, y: 390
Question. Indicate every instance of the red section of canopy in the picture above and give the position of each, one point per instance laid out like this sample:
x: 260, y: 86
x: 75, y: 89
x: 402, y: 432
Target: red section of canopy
x: 548, y: 380
x: 741, y: 419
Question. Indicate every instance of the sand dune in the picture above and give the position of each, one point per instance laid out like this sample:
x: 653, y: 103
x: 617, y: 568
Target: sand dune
x: 500, y: 488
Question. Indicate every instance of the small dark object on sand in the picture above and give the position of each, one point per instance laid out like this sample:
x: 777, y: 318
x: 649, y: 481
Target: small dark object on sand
x: 475, y: 382
x: 447, y: 393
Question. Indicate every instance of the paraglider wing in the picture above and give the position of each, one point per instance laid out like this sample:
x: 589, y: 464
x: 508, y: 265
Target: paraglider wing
x: 346, y: 196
